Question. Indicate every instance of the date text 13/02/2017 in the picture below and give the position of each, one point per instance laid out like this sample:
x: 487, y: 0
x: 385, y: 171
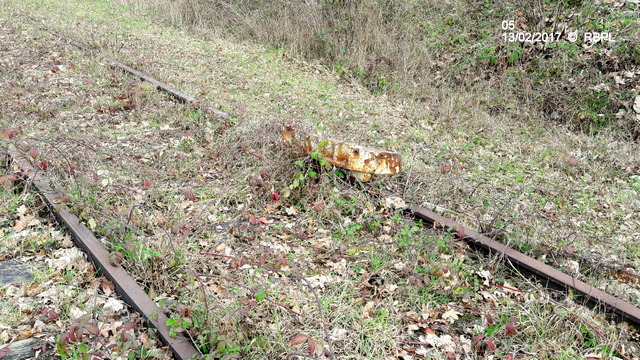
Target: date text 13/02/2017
x: 588, y: 37
x: 531, y: 37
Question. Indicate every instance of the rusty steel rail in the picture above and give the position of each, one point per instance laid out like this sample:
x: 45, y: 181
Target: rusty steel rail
x: 178, y: 95
x: 622, y: 309
x: 125, y: 285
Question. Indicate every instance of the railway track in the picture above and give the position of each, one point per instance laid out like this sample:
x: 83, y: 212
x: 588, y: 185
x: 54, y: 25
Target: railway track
x: 549, y: 275
x: 181, y: 346
x: 125, y: 285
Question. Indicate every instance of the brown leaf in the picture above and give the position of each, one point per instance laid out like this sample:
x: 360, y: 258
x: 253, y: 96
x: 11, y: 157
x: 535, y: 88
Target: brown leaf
x: 451, y: 315
x: 427, y: 330
x: 298, y: 340
x: 115, y: 259
x: 92, y: 327
x: 510, y: 329
x: 22, y: 223
x: 592, y: 357
x: 282, y: 260
x: 107, y: 287
x: 312, y: 346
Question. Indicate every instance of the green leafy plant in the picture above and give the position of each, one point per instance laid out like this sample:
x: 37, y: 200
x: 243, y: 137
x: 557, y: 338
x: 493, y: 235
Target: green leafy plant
x: 306, y: 170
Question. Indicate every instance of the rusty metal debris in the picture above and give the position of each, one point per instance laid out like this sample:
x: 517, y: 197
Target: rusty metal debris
x: 362, y: 161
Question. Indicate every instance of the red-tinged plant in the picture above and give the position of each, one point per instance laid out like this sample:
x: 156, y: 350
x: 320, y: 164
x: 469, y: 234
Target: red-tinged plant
x: 300, y: 339
x: 8, y: 180
x: 490, y: 345
x: 317, y: 206
x: 444, y: 168
x: 282, y: 260
x: 71, y: 168
x: 248, y: 306
x: 44, y: 165
x: 275, y: 197
x: 478, y: 341
x: 50, y: 312
x: 33, y: 153
x: 475, y: 341
x: 489, y: 319
x: 124, y: 332
x: 8, y: 134
x: 417, y: 282
x: 259, y: 221
x: 184, y: 311
x: 190, y: 195
x: 510, y: 328
x: 147, y: 183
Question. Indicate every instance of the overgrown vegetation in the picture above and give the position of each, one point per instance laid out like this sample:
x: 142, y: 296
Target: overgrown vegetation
x: 50, y: 292
x: 256, y: 251
x: 408, y: 47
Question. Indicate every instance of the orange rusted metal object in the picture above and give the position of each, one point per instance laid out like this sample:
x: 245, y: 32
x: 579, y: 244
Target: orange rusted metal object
x: 361, y: 160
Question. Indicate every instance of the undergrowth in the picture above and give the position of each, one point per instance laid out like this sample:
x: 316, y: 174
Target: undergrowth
x: 407, y: 47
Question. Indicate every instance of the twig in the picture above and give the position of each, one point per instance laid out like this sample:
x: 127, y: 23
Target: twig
x: 254, y: 154
x: 511, y: 289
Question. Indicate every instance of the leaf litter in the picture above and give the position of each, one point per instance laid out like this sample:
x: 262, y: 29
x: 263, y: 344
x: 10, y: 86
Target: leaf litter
x: 188, y: 206
x: 66, y: 307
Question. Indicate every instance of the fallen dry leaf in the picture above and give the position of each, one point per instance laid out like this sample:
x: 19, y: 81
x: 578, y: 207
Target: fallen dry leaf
x: 23, y: 222
x: 451, y: 315
x: 298, y: 339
